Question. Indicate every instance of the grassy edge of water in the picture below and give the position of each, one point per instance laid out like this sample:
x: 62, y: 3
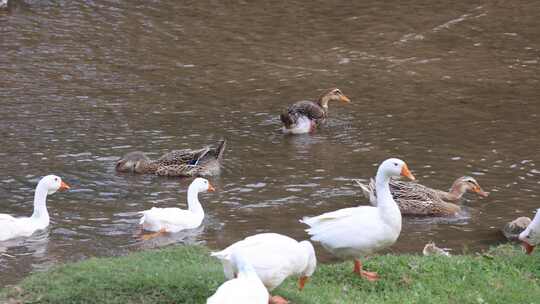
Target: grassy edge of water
x: 187, y: 274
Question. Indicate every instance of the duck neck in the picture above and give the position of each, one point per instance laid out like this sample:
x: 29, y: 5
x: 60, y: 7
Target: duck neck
x: 323, y: 103
x: 40, y: 203
x: 193, y: 201
x: 385, y: 202
x: 455, y: 193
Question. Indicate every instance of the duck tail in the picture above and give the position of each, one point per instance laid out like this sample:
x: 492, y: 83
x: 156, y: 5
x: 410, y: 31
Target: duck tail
x: 221, y: 148
x: 288, y: 119
x: 368, y: 190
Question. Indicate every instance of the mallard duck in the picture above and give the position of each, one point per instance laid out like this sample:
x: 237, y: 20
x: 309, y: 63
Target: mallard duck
x: 530, y: 237
x: 304, y: 116
x: 246, y: 288
x: 186, y: 162
x: 359, y: 231
x: 172, y: 220
x: 274, y: 257
x: 416, y: 199
x: 432, y: 249
x: 12, y: 227
x: 512, y: 229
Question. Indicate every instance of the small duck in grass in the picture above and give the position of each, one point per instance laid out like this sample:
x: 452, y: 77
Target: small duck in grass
x: 416, y: 199
x: 186, y: 162
x: 305, y: 116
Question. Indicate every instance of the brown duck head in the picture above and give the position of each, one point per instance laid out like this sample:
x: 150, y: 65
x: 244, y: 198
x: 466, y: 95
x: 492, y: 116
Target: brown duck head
x: 135, y: 162
x: 333, y: 94
x: 465, y: 184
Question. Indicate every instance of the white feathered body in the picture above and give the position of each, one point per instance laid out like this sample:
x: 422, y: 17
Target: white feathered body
x: 353, y: 232
x: 170, y: 219
x: 303, y: 125
x: 11, y: 227
x: 273, y: 256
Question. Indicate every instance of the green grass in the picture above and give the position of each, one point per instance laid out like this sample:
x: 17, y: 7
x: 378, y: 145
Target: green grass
x: 188, y: 275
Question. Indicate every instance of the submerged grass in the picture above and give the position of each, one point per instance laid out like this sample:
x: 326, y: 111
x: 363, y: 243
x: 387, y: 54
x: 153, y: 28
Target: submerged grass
x: 188, y: 275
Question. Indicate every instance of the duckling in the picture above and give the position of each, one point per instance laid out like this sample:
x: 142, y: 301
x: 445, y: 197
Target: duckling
x: 186, y: 162
x: 432, y: 249
x: 304, y: 116
x: 512, y: 229
x: 417, y: 199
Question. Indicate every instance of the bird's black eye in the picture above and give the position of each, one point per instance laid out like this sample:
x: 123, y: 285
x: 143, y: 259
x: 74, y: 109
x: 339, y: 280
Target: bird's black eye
x: 55, y: 179
x: 396, y: 164
x: 527, y: 236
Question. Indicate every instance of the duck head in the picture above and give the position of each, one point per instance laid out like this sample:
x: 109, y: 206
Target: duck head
x: 395, y: 167
x: 53, y: 183
x: 202, y: 185
x: 310, y: 265
x: 467, y: 183
x: 333, y: 94
x: 132, y: 162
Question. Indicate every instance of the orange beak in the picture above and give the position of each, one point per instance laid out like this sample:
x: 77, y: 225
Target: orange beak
x: 64, y: 187
x: 528, y: 247
x: 480, y: 192
x: 405, y: 172
x: 211, y: 188
x: 345, y: 99
x: 302, y: 281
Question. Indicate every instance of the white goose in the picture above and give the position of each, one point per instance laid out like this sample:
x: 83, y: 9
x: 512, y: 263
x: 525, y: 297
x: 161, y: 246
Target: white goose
x: 273, y: 256
x: 359, y: 231
x: 531, y: 235
x: 246, y: 288
x: 172, y: 220
x: 12, y: 227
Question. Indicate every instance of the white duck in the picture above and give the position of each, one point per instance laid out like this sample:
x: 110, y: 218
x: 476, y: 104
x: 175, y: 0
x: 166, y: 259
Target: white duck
x: 359, y: 231
x: 12, y: 227
x: 246, y: 288
x: 274, y: 257
x: 172, y: 220
x: 531, y: 235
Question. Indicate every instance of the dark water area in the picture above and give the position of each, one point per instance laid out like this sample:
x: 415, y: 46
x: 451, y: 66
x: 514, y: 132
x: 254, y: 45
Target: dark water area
x: 450, y: 87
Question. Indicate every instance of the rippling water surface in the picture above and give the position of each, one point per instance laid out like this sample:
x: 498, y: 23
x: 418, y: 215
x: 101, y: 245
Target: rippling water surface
x: 452, y: 88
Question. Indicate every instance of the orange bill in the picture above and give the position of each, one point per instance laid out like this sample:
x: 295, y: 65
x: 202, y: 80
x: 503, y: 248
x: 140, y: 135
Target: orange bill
x: 211, y: 188
x: 480, y: 192
x: 345, y: 99
x: 528, y: 247
x: 405, y: 172
x: 64, y: 186
x: 302, y: 281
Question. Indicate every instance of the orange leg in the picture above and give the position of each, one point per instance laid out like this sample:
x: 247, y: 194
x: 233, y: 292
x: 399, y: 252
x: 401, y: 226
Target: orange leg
x: 146, y: 237
x: 277, y: 300
x: 370, y: 276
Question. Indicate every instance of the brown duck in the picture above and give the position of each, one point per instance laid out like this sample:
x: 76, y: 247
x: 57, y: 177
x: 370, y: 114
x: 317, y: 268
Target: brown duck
x: 304, y: 116
x: 416, y: 199
x: 186, y: 162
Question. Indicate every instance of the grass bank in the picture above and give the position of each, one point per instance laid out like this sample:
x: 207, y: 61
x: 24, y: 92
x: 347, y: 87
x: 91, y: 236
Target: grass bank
x: 188, y: 275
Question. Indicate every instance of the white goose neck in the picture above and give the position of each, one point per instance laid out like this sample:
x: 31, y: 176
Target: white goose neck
x: 40, y: 203
x: 388, y: 208
x: 193, y: 200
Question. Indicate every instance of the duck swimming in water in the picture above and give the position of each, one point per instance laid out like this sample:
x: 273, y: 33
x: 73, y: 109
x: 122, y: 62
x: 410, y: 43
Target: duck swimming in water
x: 186, y: 162
x: 416, y: 199
x: 305, y: 116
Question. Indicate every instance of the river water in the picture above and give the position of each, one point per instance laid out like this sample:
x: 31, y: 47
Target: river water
x: 450, y: 87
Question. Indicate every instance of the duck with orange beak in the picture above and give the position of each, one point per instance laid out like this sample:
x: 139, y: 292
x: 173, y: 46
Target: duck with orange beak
x: 530, y: 237
x: 162, y: 220
x: 11, y: 227
x: 305, y: 116
x: 353, y: 233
